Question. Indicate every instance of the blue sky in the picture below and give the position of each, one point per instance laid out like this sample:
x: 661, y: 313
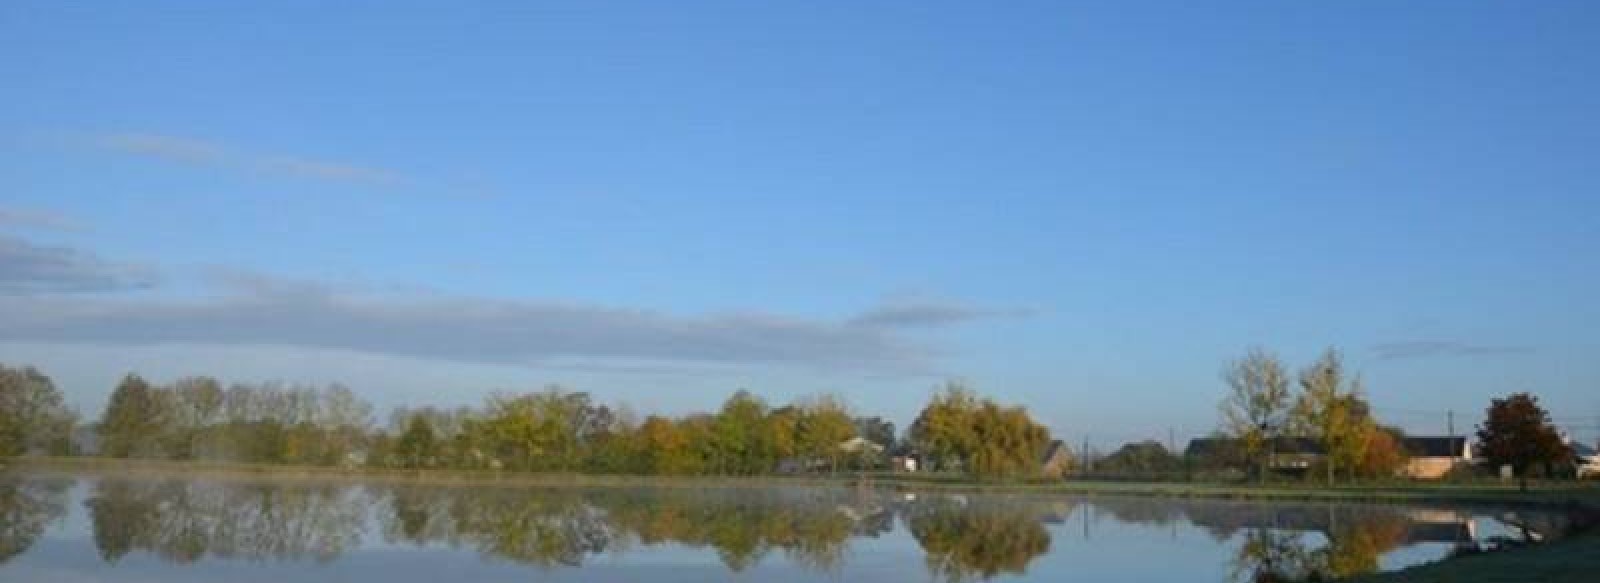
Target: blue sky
x: 1084, y: 207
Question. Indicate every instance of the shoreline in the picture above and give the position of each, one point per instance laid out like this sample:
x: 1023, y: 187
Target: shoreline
x: 1571, y: 559
x: 1563, y: 494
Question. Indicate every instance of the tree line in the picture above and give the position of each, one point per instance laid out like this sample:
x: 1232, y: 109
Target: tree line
x: 33, y: 416
x: 551, y: 430
x: 1331, y: 409
x: 557, y: 430
x: 561, y: 431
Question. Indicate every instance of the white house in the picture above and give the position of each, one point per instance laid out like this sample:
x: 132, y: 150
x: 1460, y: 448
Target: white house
x: 1432, y: 458
x: 1588, y: 460
x: 859, y: 445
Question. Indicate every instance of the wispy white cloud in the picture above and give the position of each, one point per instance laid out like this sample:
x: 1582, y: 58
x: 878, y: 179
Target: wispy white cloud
x: 241, y: 308
x: 334, y: 171
x: 198, y: 152
x: 260, y: 311
x: 171, y: 148
x: 1441, y: 348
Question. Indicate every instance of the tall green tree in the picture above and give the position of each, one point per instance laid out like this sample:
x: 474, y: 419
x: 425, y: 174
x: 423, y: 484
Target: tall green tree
x: 944, y: 429
x: 979, y: 436
x: 824, y: 425
x: 663, y: 448
x: 1517, y: 432
x: 193, y: 405
x: 133, y: 420
x: 1256, y: 409
x: 32, y: 415
x: 1010, y: 442
x: 541, y: 431
x: 346, y: 420
x: 739, y: 443
x: 782, y: 428
x: 1331, y: 409
x: 417, y: 446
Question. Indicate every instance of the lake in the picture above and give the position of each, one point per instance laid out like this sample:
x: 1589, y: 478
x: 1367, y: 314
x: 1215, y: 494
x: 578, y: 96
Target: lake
x: 67, y: 528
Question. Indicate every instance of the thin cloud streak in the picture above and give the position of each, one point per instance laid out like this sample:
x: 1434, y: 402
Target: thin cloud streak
x: 928, y: 314
x: 1441, y: 348
x: 170, y: 148
x: 197, y: 152
x: 333, y: 171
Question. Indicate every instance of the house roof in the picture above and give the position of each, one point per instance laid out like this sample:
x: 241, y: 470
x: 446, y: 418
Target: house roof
x: 1426, y: 446
x: 1204, y: 446
x: 858, y: 443
x: 1207, y: 446
x: 1581, y: 449
x: 1056, y: 447
x: 1297, y: 445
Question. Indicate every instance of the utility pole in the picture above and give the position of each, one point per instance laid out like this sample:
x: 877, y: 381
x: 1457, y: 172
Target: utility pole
x: 1088, y: 466
x: 1450, y: 421
x: 1172, y: 441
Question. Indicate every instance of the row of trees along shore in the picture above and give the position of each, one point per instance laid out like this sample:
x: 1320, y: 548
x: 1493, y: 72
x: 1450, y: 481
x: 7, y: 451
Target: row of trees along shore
x: 553, y: 430
x: 1331, y: 408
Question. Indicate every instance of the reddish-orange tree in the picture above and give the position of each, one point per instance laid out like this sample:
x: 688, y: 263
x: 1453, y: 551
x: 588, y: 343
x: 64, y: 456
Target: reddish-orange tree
x: 1382, y: 456
x: 1517, y: 433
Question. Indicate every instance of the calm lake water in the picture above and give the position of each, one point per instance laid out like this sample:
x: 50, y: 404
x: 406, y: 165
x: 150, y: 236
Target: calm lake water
x: 75, y: 529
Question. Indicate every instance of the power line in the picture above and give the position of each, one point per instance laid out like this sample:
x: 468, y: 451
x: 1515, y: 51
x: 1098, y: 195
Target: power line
x: 1406, y: 410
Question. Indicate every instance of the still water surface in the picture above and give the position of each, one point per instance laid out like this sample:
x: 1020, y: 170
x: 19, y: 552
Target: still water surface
x: 81, y: 529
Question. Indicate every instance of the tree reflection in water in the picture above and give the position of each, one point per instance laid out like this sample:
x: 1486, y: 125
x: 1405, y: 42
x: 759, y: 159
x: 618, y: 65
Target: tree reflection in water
x: 966, y: 541
x: 560, y: 527
x: 26, y: 508
x: 1271, y: 556
x: 964, y: 538
x: 183, y: 521
x: 1354, y: 539
x: 1354, y: 547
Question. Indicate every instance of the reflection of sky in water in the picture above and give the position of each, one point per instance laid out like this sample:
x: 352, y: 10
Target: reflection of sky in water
x: 1052, y: 538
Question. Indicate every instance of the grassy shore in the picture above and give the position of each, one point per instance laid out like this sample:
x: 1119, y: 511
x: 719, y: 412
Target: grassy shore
x: 1573, y: 560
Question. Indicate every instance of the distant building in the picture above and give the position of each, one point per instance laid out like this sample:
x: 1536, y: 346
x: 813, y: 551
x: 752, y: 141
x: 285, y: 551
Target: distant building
x: 903, y: 463
x: 859, y: 445
x: 1587, y: 460
x: 1286, y: 455
x: 1056, y: 460
x: 903, y: 457
x: 1432, y: 458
